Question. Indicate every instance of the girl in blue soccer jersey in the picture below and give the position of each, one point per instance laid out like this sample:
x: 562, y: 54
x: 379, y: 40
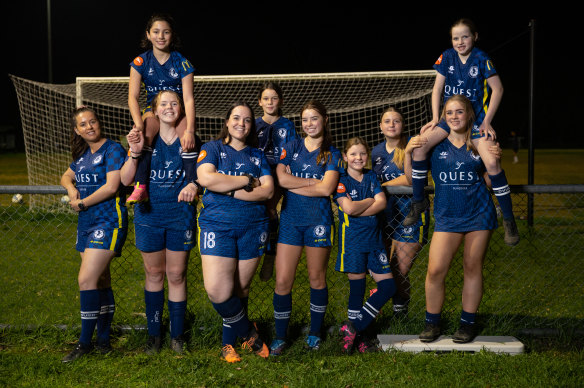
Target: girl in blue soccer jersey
x: 403, y: 242
x: 309, y: 170
x: 164, y: 225
x: 274, y: 131
x: 161, y: 67
x: 361, y: 249
x: 463, y: 212
x: 465, y: 70
x: 93, y: 185
x: 233, y: 225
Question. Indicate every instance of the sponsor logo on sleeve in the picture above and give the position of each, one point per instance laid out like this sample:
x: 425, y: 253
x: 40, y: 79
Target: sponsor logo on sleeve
x: 138, y: 61
x: 202, y: 156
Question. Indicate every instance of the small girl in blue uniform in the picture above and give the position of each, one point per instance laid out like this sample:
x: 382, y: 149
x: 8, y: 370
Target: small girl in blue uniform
x: 468, y: 71
x: 164, y: 225
x: 361, y: 249
x: 160, y: 68
x: 403, y: 242
x: 274, y: 131
x: 93, y: 185
x: 233, y: 225
x: 309, y: 170
x: 463, y: 212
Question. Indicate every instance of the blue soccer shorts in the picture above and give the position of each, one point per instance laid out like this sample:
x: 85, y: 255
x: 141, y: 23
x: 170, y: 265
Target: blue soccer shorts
x: 155, y: 238
x: 242, y: 244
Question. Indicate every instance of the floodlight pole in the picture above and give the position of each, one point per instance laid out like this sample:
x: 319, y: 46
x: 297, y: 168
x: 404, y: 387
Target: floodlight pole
x: 531, y: 163
x: 49, y: 43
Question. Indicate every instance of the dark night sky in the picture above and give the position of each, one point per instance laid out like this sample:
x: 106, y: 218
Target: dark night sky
x: 100, y: 38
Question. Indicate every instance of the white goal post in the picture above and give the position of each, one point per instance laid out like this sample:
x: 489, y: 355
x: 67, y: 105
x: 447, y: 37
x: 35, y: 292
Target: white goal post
x: 354, y: 101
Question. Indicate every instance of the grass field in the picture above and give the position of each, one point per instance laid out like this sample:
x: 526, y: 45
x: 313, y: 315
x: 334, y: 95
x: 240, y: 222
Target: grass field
x: 520, y: 278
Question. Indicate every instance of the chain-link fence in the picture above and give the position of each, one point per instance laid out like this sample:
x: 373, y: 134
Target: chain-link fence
x: 537, y: 284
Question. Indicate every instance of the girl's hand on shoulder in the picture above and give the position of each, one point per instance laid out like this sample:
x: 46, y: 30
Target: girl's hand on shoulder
x: 187, y: 142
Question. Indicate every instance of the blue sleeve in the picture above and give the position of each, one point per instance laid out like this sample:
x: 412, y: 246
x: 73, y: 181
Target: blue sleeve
x: 115, y: 157
x: 208, y: 154
x: 341, y: 190
x: 336, y: 162
x: 186, y: 67
x: 375, y: 184
x: 138, y: 64
x: 265, y: 168
x: 287, y: 152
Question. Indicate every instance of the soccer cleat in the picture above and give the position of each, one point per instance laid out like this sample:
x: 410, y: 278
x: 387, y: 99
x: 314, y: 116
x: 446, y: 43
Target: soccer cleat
x: 312, y: 342
x: 464, y: 334
x: 140, y: 194
x: 79, y: 351
x: 229, y: 354
x: 177, y: 344
x: 348, y: 334
x: 254, y: 344
x: 416, y: 209
x: 431, y: 333
x: 153, y: 345
x: 511, y: 233
x: 277, y: 347
x: 365, y: 345
x: 400, y: 310
x: 103, y: 347
x: 267, y: 267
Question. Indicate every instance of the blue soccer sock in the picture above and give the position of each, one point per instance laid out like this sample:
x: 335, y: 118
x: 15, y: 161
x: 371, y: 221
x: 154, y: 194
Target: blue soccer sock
x: 371, y: 308
x: 318, y: 305
x: 233, y: 316
x: 419, y: 178
x: 229, y: 336
x: 467, y: 318
x: 143, y: 169
x: 433, y: 319
x: 356, y: 295
x: 106, y: 315
x: 154, y: 308
x: 176, y: 314
x: 282, y: 313
x: 189, y: 160
x: 503, y: 193
x: 89, y: 300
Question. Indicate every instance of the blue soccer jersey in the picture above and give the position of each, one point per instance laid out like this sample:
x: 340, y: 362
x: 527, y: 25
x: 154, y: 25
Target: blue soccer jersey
x: 468, y: 79
x: 299, y: 209
x: 90, y: 174
x: 272, y: 137
x: 222, y: 209
x: 462, y: 202
x: 157, y: 77
x: 397, y: 205
x: 167, y: 179
x: 360, y: 234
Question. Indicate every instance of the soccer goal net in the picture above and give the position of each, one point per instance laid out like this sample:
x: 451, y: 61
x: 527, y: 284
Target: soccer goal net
x: 354, y: 101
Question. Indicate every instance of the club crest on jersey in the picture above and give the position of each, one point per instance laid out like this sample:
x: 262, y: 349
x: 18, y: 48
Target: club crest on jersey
x: 97, y: 159
x: 173, y: 73
x: 99, y: 234
x: 476, y: 157
x: 254, y: 160
x: 408, y: 230
x: 282, y: 133
x: 319, y: 230
x: 263, y: 237
x: 383, y: 258
x: 189, y: 234
x: 473, y: 71
x: 450, y: 69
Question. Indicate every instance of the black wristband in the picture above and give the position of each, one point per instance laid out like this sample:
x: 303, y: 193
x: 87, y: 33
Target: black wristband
x: 82, y: 206
x: 249, y: 186
x: 232, y: 193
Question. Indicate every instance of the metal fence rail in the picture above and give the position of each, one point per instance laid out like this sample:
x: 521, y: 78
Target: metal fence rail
x: 537, y: 284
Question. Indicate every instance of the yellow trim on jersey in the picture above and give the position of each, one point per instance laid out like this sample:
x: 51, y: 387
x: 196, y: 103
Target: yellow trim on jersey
x: 120, y: 223
x: 421, y: 232
x: 485, y: 96
x: 345, y: 225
